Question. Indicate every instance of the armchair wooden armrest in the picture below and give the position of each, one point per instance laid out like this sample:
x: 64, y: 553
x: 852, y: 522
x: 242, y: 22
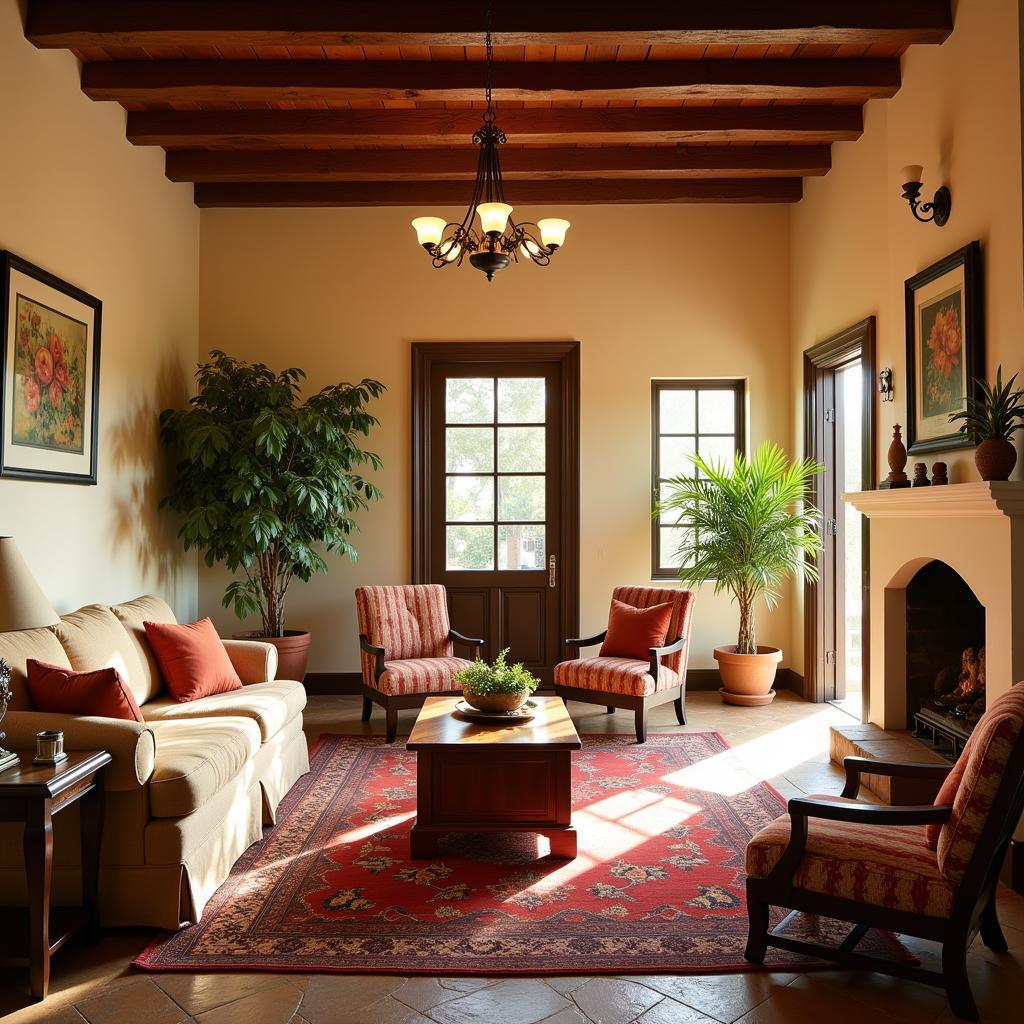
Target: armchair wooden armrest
x: 858, y: 766
x: 657, y: 653
x: 587, y: 641
x: 377, y: 654
x: 471, y: 642
x: 801, y: 809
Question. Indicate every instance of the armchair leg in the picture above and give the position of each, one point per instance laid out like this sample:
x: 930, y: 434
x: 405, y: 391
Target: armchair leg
x: 991, y: 932
x: 757, y: 930
x: 640, y: 723
x: 611, y: 710
x: 958, y: 985
x: 392, y: 723
x: 680, y: 705
x: 367, y: 708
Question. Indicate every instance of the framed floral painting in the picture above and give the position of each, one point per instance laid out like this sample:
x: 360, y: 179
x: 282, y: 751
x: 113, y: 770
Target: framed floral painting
x: 945, y: 348
x: 49, y: 399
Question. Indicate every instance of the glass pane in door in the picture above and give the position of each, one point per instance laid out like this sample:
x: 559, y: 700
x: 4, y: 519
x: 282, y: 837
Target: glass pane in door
x: 495, y: 473
x: 850, y: 630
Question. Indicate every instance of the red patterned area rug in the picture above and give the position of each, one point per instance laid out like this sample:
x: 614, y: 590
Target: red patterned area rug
x: 657, y: 888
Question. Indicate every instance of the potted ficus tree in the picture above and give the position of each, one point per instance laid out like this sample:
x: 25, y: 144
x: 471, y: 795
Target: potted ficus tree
x: 747, y: 528
x: 992, y: 417
x: 268, y: 482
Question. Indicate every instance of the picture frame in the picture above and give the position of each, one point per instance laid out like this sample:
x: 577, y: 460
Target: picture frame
x: 50, y: 334
x: 945, y: 348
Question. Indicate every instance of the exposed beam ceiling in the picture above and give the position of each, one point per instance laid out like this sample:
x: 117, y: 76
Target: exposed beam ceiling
x: 374, y: 102
x: 307, y: 165
x: 274, y: 81
x: 75, y: 24
x: 444, y: 127
x: 442, y: 193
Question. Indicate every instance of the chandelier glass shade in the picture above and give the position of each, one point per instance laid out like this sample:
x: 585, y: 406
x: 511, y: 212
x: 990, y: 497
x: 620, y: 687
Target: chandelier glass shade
x: 498, y: 239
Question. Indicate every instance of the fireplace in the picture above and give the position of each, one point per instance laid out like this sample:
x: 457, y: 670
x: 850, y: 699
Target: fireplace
x: 945, y: 656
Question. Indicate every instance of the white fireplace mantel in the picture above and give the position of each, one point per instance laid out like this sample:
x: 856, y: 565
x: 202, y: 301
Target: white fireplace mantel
x: 975, y: 528
x: 992, y: 498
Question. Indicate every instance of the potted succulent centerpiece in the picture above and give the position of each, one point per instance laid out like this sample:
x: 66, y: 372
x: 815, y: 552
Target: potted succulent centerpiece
x: 496, y: 687
x: 267, y: 482
x: 992, y: 418
x: 747, y: 528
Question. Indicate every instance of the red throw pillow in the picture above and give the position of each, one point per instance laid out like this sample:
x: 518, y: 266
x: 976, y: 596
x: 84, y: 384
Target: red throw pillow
x: 192, y: 659
x: 101, y: 692
x: 632, y: 631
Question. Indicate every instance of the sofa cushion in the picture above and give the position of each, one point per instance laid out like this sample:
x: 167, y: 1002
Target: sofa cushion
x: 93, y: 637
x: 16, y: 648
x: 101, y: 693
x: 195, y: 759
x: 615, y: 675
x: 270, y: 705
x: 132, y: 615
x: 884, y: 865
x: 192, y: 659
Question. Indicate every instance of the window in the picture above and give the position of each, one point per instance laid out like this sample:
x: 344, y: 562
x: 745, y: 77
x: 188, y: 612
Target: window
x: 687, y: 416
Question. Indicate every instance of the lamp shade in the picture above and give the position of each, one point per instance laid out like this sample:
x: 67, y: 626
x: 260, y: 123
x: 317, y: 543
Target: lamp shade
x: 23, y: 605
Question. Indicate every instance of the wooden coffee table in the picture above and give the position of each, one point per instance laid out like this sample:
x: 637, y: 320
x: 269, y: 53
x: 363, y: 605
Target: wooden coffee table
x: 473, y: 776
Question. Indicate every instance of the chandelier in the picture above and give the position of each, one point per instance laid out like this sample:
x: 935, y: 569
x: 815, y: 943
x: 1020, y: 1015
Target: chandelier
x: 499, y: 239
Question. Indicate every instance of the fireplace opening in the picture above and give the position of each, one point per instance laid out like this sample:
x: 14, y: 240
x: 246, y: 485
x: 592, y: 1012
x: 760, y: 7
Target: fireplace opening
x: 945, y: 657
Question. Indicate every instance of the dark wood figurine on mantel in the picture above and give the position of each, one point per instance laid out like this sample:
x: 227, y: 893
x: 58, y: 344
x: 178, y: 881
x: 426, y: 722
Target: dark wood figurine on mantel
x: 897, y: 461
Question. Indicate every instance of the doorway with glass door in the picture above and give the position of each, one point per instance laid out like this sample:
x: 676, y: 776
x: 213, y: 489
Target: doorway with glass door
x: 495, y: 492
x: 839, y: 433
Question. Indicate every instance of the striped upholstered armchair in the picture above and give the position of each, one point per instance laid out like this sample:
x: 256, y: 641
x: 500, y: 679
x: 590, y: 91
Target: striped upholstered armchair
x: 645, y: 679
x: 929, y: 871
x: 406, y: 648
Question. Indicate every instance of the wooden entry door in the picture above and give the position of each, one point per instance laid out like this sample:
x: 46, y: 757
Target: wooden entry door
x: 839, y: 376
x: 496, y: 485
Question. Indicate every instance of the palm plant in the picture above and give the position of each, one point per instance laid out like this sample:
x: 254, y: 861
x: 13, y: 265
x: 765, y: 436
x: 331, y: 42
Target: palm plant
x: 747, y: 528
x: 995, y: 413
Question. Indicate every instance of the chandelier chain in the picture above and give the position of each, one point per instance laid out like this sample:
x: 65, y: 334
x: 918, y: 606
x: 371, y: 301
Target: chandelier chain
x: 489, y: 114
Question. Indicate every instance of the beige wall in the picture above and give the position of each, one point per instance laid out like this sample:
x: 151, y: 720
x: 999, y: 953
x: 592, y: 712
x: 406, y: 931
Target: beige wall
x: 648, y: 291
x: 854, y: 241
x: 79, y: 201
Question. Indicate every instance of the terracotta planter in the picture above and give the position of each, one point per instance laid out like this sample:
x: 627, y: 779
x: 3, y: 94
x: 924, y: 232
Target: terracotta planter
x: 497, y: 701
x: 747, y: 675
x: 995, y: 458
x: 292, y: 651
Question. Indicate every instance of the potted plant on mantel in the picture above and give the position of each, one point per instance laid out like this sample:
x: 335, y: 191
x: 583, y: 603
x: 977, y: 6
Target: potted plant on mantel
x: 992, y: 418
x: 746, y: 529
x: 267, y: 481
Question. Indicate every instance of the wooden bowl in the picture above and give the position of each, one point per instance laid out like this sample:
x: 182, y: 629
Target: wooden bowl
x: 497, y: 701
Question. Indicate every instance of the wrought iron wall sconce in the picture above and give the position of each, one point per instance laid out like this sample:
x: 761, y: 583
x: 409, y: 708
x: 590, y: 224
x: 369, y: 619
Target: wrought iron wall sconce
x: 885, y: 385
x: 938, y: 210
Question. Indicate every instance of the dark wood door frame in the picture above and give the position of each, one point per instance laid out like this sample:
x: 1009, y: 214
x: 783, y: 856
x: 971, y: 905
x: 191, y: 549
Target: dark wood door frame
x: 857, y: 340
x: 567, y: 353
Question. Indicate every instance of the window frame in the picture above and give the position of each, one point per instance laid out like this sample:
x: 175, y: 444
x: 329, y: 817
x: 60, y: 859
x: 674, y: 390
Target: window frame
x: 659, y: 384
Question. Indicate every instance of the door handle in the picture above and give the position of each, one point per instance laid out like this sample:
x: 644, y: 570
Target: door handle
x: 552, y: 572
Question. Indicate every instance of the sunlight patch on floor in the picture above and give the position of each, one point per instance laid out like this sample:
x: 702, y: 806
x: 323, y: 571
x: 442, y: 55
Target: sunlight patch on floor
x: 757, y: 760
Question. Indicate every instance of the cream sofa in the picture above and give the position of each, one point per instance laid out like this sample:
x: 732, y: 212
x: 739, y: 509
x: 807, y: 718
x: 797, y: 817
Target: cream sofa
x: 187, y: 792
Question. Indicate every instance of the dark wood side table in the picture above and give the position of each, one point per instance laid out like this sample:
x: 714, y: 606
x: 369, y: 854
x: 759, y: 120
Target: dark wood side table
x: 473, y: 776
x: 33, y: 794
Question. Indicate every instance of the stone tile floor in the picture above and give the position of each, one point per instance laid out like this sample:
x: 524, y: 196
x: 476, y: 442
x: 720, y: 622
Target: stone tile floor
x: 786, y: 743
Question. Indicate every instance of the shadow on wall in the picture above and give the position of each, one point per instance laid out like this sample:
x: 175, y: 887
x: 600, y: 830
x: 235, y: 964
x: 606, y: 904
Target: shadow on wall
x: 137, y: 456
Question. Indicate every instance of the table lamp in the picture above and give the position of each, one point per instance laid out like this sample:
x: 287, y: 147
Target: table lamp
x: 23, y: 605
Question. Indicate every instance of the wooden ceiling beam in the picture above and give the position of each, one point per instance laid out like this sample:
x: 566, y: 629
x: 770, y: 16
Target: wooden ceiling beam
x: 272, y: 81
x: 310, y: 165
x: 296, y: 128
x: 431, y: 195
x: 73, y: 24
